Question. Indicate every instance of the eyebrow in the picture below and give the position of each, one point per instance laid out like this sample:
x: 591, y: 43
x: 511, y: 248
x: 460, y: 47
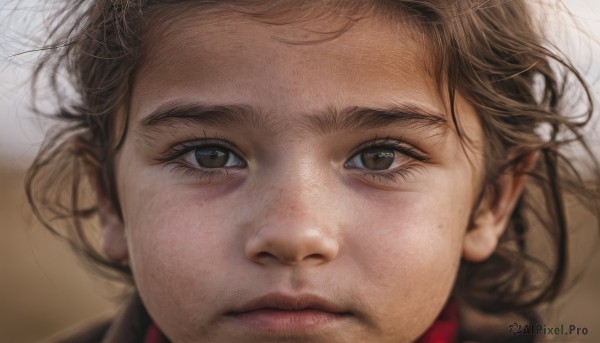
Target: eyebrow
x: 177, y: 114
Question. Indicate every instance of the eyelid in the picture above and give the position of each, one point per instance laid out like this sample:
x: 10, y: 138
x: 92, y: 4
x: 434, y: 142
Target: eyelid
x: 187, y: 146
x: 175, y: 158
x: 396, y: 144
x: 406, y: 171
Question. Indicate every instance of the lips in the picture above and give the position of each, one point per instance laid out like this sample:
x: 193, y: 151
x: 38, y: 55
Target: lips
x: 284, y: 302
x: 277, y: 312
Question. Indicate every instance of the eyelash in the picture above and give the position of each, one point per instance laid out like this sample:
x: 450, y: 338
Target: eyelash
x: 172, y: 158
x: 404, y: 172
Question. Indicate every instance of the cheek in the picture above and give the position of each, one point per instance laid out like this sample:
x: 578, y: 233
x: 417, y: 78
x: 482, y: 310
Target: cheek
x: 408, y: 254
x: 417, y: 228
x: 177, y: 249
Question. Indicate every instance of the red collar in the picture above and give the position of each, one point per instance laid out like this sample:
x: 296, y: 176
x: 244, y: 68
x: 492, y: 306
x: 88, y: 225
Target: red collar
x: 445, y: 327
x: 154, y: 335
x: 443, y: 330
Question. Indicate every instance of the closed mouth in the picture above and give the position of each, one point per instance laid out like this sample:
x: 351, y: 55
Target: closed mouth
x: 278, y: 313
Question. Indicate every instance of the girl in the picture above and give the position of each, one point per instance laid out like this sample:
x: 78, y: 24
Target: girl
x: 313, y: 171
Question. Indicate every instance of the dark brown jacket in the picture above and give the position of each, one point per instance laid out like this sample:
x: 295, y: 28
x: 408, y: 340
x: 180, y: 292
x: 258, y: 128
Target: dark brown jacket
x: 128, y: 326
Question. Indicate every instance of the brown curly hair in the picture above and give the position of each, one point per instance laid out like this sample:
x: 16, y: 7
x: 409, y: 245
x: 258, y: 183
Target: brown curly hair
x: 490, y: 51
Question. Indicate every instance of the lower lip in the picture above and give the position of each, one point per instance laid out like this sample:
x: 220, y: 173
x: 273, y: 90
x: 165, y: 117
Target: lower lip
x: 289, y: 321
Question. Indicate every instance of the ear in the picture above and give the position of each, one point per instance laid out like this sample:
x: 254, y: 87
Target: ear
x: 113, y: 230
x: 494, y: 211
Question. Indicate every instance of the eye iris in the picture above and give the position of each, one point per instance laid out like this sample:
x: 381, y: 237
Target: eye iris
x: 377, y: 159
x: 212, y: 157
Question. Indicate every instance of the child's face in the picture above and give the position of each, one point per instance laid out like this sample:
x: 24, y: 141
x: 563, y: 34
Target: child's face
x: 298, y: 202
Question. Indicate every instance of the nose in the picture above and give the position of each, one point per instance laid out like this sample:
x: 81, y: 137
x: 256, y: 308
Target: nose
x: 290, y: 233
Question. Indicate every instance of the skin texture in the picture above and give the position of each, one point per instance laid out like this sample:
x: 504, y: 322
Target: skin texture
x: 296, y: 219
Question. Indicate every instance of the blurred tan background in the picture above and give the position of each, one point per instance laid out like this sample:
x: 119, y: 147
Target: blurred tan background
x: 43, y: 288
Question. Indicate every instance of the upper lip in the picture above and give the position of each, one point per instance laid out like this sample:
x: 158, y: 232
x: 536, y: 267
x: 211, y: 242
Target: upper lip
x: 280, y: 301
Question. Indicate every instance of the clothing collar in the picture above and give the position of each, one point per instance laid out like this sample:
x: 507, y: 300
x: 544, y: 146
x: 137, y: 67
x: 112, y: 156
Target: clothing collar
x: 445, y: 328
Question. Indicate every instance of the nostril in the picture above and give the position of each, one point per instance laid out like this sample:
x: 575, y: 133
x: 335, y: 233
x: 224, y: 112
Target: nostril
x: 264, y: 254
x: 287, y: 258
x: 298, y: 245
x: 313, y: 256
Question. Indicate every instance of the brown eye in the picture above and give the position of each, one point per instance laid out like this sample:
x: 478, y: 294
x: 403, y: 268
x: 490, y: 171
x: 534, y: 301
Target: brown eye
x: 377, y: 159
x: 216, y: 157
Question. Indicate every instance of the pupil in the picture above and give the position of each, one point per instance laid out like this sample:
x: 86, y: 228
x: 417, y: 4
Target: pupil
x: 212, y: 157
x: 377, y: 159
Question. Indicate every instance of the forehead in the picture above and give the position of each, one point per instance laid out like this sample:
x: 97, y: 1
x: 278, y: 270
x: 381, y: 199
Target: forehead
x: 204, y: 49
x: 298, y: 27
x: 360, y: 31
